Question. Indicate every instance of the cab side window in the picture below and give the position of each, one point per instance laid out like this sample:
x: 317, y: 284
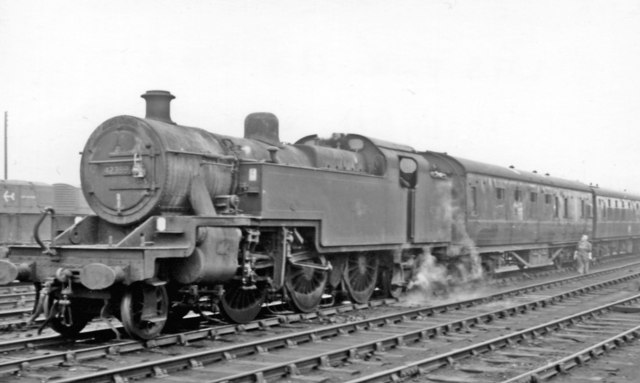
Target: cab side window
x: 408, y: 172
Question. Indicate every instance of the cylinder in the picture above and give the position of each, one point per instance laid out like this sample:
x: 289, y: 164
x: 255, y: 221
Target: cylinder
x: 214, y: 261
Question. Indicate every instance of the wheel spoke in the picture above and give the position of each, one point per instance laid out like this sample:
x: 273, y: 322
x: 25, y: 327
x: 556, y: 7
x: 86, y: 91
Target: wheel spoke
x: 241, y: 305
x: 306, y: 285
x: 361, y: 275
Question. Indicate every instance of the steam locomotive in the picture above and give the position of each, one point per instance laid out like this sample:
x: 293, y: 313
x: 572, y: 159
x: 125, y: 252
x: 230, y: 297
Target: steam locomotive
x: 186, y: 219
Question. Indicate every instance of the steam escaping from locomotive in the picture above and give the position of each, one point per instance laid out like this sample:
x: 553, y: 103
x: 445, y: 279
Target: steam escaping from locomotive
x: 437, y: 280
x: 472, y: 269
x: 434, y: 278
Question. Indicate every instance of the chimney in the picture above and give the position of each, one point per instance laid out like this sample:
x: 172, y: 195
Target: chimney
x: 158, y: 105
x: 262, y: 127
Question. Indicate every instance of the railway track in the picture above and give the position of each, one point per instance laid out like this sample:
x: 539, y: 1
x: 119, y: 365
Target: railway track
x: 16, y: 300
x: 16, y: 304
x: 103, y: 342
x: 16, y: 318
x: 532, y: 354
x: 16, y: 288
x: 614, y: 362
x: 278, y: 336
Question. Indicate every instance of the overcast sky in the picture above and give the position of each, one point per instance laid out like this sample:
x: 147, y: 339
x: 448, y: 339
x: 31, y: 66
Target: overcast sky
x: 547, y: 85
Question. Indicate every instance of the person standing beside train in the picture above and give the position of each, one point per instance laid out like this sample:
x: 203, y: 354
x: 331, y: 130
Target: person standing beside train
x: 582, y: 255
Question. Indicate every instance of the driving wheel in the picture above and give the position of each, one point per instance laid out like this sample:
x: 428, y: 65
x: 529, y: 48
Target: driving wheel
x: 241, y: 304
x: 306, y: 284
x: 361, y: 275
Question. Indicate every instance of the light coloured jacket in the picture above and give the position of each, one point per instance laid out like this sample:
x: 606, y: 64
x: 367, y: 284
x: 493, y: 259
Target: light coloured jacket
x: 583, y: 248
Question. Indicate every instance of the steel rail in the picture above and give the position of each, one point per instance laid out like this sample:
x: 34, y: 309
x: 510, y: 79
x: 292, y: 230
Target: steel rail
x: 13, y: 300
x: 184, y: 338
x: 51, y: 358
x: 16, y: 287
x: 418, y: 367
x: 524, y: 274
x: 14, y: 313
x: 577, y: 359
x: 160, y: 367
x: 207, y: 333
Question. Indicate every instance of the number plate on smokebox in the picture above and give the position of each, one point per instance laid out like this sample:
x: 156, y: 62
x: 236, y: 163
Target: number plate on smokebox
x: 117, y: 170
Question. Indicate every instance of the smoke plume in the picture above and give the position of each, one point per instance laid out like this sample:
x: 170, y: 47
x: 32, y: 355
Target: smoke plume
x: 434, y: 280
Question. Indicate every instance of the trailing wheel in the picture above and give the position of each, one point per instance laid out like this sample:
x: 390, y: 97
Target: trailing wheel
x: 144, y: 310
x: 241, y: 304
x: 361, y: 275
x: 306, y: 284
x: 66, y: 319
x: 392, y: 281
x: 488, y: 269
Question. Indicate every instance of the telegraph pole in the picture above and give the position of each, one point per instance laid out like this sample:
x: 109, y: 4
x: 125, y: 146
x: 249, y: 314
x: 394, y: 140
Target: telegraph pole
x: 6, y: 156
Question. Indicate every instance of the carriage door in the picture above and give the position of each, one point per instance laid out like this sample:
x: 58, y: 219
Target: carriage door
x: 408, y: 179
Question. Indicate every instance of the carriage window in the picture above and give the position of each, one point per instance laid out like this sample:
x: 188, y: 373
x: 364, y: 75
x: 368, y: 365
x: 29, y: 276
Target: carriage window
x: 474, y: 200
x: 582, y: 208
x: 500, y: 193
x: 547, y: 198
x: 517, y: 195
x: 556, y: 207
x: 408, y: 172
x: 533, y: 197
x: 566, y: 207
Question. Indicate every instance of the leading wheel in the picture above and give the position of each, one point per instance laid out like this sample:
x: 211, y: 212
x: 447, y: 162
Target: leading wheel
x: 306, y: 284
x: 361, y: 275
x: 67, y: 321
x: 241, y: 304
x: 144, y: 309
